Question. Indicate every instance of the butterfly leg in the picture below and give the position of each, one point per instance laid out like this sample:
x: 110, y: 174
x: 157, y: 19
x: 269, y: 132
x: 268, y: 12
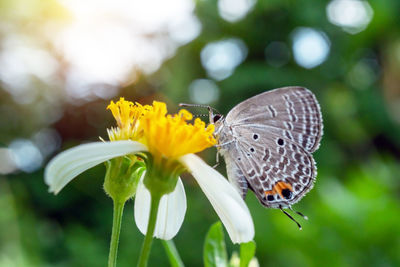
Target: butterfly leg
x: 216, y: 160
x: 224, y: 144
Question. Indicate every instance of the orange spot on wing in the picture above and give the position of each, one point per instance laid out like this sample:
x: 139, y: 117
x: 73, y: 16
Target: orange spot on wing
x: 278, y: 187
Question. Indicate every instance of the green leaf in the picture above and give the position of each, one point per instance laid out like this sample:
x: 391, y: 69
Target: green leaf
x: 247, y: 252
x: 214, y: 247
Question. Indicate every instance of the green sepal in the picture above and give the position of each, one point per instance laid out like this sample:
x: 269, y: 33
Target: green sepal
x: 122, y: 177
x: 161, y: 175
x: 214, y: 247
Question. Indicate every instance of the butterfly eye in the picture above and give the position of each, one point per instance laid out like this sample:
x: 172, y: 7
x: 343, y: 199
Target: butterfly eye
x: 216, y: 118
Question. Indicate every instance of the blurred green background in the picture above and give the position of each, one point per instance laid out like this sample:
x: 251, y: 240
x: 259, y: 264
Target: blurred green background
x: 61, y: 62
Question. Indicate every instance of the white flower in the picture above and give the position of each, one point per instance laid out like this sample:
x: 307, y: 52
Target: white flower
x: 226, y: 201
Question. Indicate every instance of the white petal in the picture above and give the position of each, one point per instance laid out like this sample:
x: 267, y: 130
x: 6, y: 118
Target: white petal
x: 171, y: 211
x: 72, y: 162
x: 226, y: 201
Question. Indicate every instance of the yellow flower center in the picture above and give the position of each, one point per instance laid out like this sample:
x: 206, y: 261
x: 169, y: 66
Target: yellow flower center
x: 127, y: 115
x: 171, y: 136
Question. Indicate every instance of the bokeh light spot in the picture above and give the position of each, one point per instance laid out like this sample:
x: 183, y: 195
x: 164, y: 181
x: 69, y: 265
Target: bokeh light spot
x: 22, y: 62
x: 221, y: 58
x: 203, y: 91
x: 310, y: 47
x: 26, y: 155
x: 47, y: 140
x: 7, y: 164
x: 363, y: 73
x: 234, y: 10
x: 352, y: 15
x: 277, y: 54
x: 100, y: 54
x: 184, y: 35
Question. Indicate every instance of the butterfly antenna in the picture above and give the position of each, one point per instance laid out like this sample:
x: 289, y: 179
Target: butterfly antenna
x: 199, y: 106
x: 299, y: 213
x: 193, y: 105
x: 200, y: 115
x: 290, y: 217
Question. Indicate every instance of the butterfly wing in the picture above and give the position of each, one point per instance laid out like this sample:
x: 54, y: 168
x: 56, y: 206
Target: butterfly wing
x: 279, y: 175
x: 272, y: 136
x: 291, y: 111
x: 236, y: 176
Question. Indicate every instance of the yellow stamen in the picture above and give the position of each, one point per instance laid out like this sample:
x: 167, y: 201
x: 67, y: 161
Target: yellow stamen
x: 172, y: 136
x: 127, y: 115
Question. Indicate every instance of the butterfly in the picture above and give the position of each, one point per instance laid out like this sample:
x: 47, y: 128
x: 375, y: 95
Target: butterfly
x: 267, y: 143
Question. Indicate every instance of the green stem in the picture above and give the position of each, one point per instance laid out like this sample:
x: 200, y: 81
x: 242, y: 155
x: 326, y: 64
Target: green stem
x: 116, y: 228
x: 144, y: 254
x: 173, y: 255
